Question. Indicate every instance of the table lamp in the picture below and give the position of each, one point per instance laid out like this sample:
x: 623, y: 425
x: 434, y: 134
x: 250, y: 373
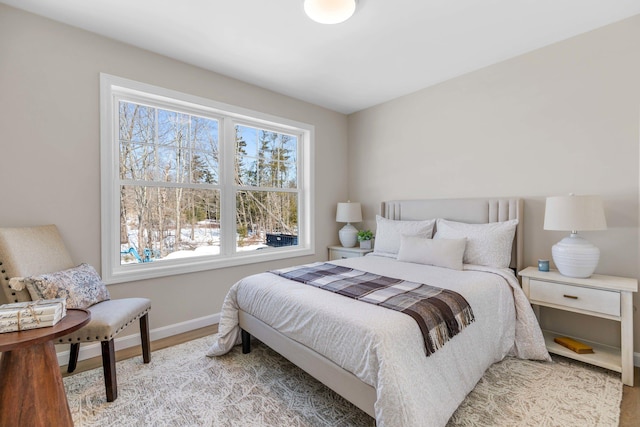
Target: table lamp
x: 348, y: 212
x: 574, y: 256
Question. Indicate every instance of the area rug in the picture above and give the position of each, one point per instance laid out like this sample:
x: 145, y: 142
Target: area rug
x: 183, y: 387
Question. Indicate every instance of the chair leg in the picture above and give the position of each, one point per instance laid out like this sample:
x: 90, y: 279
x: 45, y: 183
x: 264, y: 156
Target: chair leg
x: 144, y: 333
x: 109, y: 368
x: 73, y: 357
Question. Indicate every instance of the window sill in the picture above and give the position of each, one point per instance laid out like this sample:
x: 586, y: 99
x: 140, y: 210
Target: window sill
x: 143, y: 271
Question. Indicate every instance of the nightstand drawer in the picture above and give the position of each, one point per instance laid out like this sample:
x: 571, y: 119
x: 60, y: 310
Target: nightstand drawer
x: 340, y: 254
x: 595, y: 300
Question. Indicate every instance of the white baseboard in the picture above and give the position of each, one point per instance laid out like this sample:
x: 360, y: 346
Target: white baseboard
x: 93, y: 350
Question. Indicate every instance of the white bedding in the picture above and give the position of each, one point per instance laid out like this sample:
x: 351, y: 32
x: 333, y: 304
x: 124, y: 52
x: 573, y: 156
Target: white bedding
x: 384, y: 348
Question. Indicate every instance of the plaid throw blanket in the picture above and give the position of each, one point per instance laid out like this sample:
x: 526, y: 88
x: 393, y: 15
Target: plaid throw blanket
x: 440, y: 313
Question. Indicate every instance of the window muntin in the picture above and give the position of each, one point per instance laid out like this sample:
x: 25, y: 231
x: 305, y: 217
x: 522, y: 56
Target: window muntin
x: 198, y: 186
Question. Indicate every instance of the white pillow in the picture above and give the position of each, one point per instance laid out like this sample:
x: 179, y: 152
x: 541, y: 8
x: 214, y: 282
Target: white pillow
x: 445, y: 253
x: 487, y: 244
x: 389, y: 232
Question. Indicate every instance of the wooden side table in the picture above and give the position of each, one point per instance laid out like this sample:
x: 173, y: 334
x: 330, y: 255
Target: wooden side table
x: 607, y: 297
x: 31, y: 388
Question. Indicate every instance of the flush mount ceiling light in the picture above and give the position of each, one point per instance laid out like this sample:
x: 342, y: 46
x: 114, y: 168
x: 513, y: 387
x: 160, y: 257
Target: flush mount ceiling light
x: 329, y: 11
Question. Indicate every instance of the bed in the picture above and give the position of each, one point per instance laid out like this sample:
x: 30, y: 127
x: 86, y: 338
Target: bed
x: 375, y: 357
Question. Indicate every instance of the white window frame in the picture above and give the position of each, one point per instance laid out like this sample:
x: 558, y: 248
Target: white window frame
x: 111, y: 89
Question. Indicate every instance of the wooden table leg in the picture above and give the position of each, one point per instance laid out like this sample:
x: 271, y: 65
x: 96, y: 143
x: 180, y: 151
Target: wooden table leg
x: 31, y: 388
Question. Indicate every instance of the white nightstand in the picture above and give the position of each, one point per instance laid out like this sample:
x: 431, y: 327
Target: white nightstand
x: 339, y: 252
x: 608, y: 297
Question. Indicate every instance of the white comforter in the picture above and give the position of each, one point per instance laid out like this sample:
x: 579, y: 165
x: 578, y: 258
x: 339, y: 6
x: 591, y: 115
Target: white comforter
x: 384, y: 348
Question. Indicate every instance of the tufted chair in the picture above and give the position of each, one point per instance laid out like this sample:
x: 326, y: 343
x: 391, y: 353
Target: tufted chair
x: 29, y: 251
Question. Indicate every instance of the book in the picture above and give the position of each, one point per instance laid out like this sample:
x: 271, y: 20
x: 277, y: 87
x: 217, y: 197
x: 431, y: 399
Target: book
x: 573, y: 345
x: 31, y: 314
x: 15, y: 325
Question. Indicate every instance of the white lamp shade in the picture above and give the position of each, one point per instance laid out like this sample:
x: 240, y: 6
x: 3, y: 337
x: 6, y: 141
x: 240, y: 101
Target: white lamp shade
x: 573, y: 255
x: 329, y: 11
x: 349, y: 212
x: 574, y: 213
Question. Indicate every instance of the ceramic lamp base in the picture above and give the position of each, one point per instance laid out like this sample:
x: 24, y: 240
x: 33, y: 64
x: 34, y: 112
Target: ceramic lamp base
x: 575, y: 257
x: 348, y: 236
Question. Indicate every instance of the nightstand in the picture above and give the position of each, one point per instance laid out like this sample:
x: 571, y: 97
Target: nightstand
x: 339, y: 252
x: 608, y: 297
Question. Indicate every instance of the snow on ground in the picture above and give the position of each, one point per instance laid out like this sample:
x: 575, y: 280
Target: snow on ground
x: 207, y: 240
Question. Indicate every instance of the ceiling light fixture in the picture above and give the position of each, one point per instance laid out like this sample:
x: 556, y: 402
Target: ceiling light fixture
x: 329, y: 11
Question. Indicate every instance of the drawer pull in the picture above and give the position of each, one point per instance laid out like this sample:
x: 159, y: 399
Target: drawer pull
x: 570, y: 296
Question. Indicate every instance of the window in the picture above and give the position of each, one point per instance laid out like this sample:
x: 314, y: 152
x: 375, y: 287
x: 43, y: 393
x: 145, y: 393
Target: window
x: 189, y: 184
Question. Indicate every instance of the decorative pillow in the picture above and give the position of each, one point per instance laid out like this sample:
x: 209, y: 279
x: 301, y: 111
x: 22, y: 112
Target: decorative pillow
x: 389, y: 233
x: 445, y: 253
x: 81, y: 286
x: 487, y: 244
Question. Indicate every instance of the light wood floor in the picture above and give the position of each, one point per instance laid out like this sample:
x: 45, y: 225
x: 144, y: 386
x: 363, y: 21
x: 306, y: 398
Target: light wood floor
x: 630, y: 406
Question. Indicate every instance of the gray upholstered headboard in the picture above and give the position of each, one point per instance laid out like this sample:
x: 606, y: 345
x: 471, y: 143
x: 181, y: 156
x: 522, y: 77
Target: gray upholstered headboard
x: 473, y: 210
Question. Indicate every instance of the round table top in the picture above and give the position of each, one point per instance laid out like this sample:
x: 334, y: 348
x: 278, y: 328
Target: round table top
x: 74, y: 320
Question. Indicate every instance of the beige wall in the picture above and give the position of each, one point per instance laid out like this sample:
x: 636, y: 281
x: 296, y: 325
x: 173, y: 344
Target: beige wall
x: 49, y: 139
x: 561, y: 119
